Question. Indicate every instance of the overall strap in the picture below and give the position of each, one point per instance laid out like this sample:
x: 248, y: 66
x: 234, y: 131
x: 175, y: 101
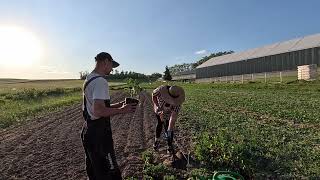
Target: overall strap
x: 85, y: 111
x: 89, y: 81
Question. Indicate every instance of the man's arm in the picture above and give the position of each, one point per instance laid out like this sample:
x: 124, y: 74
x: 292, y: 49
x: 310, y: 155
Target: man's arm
x: 100, y: 110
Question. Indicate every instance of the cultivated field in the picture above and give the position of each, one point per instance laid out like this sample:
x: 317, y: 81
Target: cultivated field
x: 262, y: 131
x: 12, y: 85
x: 23, y: 99
x: 49, y: 147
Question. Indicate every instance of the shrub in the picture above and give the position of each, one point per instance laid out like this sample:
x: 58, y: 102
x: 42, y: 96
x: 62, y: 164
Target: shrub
x: 219, y: 151
x: 29, y: 94
x: 147, y: 157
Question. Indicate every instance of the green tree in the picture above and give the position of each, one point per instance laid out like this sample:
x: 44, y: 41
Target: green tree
x: 167, y: 75
x: 115, y: 71
x: 155, y: 76
x: 177, y: 68
x: 212, y: 55
x: 180, y: 68
x: 83, y: 74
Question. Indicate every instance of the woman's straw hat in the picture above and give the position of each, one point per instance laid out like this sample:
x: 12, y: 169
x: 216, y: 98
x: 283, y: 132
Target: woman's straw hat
x: 173, y: 95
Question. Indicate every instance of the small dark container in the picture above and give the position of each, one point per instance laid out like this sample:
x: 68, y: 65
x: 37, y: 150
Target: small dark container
x: 130, y: 100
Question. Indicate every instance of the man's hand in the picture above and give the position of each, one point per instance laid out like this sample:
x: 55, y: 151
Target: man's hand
x: 121, y: 102
x: 100, y: 110
x: 117, y: 105
x: 128, y: 108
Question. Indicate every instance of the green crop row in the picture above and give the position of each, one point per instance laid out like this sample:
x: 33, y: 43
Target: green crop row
x: 260, y: 130
x: 16, y: 111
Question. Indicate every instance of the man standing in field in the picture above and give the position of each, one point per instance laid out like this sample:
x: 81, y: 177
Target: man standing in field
x: 96, y: 134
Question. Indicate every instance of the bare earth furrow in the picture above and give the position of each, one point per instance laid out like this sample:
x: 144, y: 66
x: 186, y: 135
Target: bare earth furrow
x: 49, y: 147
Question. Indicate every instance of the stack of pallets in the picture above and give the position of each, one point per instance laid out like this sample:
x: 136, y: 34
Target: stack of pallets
x: 307, y: 72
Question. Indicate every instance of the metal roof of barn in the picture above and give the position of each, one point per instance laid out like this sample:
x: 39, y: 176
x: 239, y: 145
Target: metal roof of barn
x: 268, y: 50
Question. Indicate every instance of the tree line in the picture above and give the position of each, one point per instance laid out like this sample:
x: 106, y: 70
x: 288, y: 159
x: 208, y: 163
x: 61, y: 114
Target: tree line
x: 123, y: 75
x: 190, y: 66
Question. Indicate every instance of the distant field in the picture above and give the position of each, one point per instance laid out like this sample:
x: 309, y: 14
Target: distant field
x: 21, y: 99
x: 9, y: 85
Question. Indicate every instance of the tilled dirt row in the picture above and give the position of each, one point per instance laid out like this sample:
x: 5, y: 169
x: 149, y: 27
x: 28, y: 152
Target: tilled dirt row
x: 46, y: 148
x: 50, y: 147
x: 133, y: 134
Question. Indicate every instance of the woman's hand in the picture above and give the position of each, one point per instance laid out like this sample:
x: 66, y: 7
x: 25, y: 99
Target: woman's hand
x: 155, y: 108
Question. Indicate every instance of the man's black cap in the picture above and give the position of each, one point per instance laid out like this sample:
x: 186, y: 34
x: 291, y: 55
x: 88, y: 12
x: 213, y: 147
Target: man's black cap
x: 106, y: 56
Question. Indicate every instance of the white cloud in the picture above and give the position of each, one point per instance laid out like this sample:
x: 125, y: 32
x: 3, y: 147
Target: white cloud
x: 57, y: 72
x: 179, y: 58
x: 38, y: 72
x: 201, y: 52
x: 52, y: 70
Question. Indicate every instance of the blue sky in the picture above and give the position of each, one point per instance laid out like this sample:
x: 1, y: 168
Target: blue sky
x: 146, y: 35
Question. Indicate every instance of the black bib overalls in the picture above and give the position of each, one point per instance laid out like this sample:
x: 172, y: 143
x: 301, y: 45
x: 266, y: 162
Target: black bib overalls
x: 97, y: 141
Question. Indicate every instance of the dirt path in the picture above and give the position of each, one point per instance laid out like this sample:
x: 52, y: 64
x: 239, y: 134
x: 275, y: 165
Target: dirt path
x: 49, y: 147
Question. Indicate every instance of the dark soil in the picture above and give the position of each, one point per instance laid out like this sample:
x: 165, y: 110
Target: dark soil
x: 49, y: 147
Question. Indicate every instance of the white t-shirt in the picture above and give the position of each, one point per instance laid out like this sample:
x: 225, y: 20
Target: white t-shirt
x: 97, y: 89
